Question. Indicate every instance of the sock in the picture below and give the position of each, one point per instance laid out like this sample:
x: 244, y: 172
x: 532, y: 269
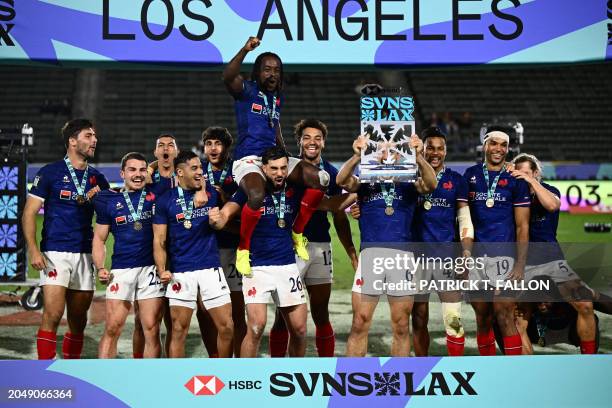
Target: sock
x: 455, y: 345
x: 588, y: 347
x: 46, y: 342
x: 309, y: 204
x: 486, y: 343
x: 325, y: 339
x: 513, y: 345
x: 72, y: 345
x: 138, y: 355
x: 279, y: 340
x: 248, y: 221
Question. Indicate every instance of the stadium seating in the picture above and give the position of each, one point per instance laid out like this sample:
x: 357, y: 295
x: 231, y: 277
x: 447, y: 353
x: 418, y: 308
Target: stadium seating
x: 563, y: 109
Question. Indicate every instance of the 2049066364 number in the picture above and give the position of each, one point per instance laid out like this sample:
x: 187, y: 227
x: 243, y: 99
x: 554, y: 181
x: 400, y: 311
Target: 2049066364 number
x: 38, y: 394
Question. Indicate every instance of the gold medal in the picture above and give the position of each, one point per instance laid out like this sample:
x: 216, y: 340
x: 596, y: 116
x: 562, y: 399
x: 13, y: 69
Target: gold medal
x: 281, y: 223
x: 389, y: 211
x: 427, y: 205
x: 187, y: 224
x: 81, y: 200
x: 137, y: 225
x: 490, y: 202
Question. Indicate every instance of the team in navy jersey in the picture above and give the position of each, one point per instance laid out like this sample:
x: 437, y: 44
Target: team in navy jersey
x: 66, y: 189
x: 317, y: 272
x: 132, y: 279
x: 229, y: 235
x: 387, y: 211
x: 545, y: 257
x: 435, y: 224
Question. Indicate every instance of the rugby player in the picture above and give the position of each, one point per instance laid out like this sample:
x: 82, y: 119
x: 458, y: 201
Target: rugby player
x: 275, y: 274
x: 317, y: 272
x: 183, y: 236
x: 133, y: 278
x: 435, y: 221
x: 546, y: 258
x: 258, y: 103
x: 499, y: 205
x: 218, y: 167
x: 386, y: 217
x: 65, y: 188
x: 161, y: 175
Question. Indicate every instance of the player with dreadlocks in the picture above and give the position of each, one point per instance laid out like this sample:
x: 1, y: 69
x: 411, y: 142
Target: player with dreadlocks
x: 258, y: 103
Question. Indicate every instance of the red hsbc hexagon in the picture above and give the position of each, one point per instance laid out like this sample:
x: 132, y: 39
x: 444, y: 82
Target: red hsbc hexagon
x: 204, y: 385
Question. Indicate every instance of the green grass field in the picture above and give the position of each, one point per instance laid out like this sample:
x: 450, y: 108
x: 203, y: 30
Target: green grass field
x: 17, y: 341
x: 570, y: 230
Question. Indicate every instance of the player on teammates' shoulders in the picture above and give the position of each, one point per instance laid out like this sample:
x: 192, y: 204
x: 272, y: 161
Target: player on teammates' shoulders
x: 258, y: 104
x: 275, y: 276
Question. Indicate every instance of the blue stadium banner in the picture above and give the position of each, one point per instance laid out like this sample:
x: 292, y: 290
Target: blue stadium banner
x: 579, y: 380
x: 304, y: 32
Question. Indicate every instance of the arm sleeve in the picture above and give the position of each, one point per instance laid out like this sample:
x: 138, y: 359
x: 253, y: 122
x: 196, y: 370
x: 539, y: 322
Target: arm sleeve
x: 41, y: 186
x: 521, y: 197
x: 239, y: 197
x: 462, y: 188
x: 103, y: 182
x: 100, y: 206
x: 160, y: 212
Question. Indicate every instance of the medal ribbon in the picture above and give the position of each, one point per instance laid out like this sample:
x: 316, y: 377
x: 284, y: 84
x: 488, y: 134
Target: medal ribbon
x: 279, y: 208
x: 388, y: 194
x: 211, y: 175
x: 79, y: 187
x: 187, y: 210
x: 491, y: 189
x: 438, y: 178
x: 271, y: 113
x: 135, y: 214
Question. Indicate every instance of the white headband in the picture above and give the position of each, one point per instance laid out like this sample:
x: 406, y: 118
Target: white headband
x: 498, y: 134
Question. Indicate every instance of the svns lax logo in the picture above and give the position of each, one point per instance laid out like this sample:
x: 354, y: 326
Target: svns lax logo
x: 204, y: 385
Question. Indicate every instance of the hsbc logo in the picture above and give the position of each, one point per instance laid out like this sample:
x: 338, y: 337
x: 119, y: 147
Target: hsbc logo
x: 204, y: 385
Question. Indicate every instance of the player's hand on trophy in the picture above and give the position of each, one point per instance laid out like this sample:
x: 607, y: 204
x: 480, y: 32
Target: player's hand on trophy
x: 165, y: 277
x: 416, y: 143
x: 361, y: 143
x: 92, y: 192
x: 37, y: 259
x: 215, y: 219
x: 251, y: 44
x: 355, y: 211
x: 200, y: 198
x: 103, y: 275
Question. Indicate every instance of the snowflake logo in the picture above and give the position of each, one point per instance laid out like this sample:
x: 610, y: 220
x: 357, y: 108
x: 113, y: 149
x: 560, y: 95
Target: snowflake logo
x: 8, y: 265
x: 8, y: 178
x: 8, y: 236
x: 367, y: 114
x: 387, y: 384
x: 8, y: 207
